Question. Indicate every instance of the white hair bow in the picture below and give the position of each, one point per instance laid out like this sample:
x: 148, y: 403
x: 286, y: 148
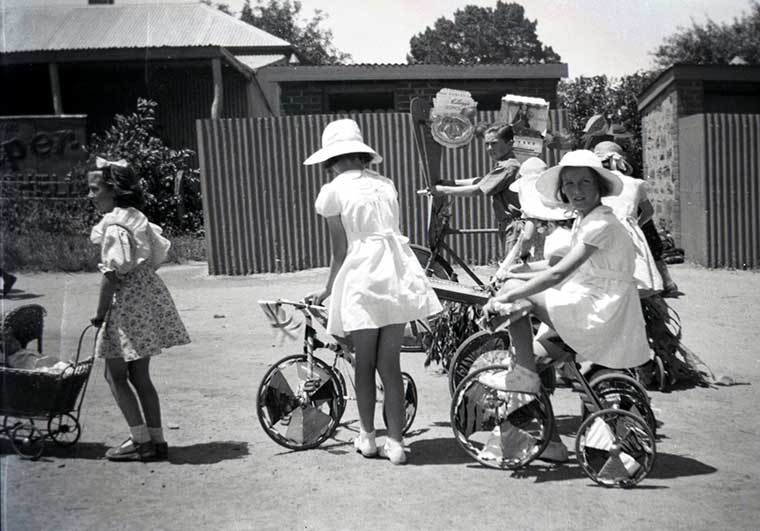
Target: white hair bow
x: 617, y: 163
x: 100, y: 162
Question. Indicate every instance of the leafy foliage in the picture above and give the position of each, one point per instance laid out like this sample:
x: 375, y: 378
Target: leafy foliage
x: 281, y: 18
x: 221, y: 6
x: 713, y: 42
x: 131, y: 138
x: 449, y: 329
x: 616, y: 99
x: 482, y: 35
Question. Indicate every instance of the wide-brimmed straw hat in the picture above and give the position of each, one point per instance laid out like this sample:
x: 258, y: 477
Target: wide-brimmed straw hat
x: 340, y: 138
x: 532, y: 203
x: 548, y: 184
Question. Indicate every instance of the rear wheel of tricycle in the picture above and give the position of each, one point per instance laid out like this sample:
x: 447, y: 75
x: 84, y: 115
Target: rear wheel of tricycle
x: 615, y: 448
x: 64, y: 429
x: 299, y: 404
x: 27, y: 440
x: 410, y: 402
x: 620, y: 391
x: 469, y: 355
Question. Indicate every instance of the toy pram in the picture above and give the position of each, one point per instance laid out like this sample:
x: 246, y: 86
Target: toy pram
x: 39, y: 405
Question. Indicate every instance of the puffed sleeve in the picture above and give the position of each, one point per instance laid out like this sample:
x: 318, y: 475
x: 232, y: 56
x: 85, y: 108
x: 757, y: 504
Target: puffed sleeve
x: 595, y: 232
x: 116, y: 252
x: 328, y: 202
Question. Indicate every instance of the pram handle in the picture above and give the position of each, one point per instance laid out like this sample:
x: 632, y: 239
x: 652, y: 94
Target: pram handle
x: 81, y: 339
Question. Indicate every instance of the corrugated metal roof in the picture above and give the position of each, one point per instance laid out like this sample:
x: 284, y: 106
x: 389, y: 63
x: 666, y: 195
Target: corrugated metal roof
x: 49, y: 28
x: 364, y: 72
x: 254, y: 62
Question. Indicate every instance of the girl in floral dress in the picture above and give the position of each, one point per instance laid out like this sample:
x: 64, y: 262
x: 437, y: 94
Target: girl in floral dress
x: 136, y: 314
x: 376, y: 284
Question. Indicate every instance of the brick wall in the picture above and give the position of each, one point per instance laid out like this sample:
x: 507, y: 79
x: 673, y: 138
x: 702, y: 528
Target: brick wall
x: 311, y: 98
x: 660, y: 142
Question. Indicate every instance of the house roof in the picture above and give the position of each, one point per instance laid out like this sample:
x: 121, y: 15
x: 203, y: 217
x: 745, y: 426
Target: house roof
x: 254, y: 62
x: 100, y: 27
x: 373, y: 72
x: 689, y: 72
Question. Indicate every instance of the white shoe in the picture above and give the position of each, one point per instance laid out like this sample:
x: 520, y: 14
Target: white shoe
x: 394, y: 451
x: 365, y: 444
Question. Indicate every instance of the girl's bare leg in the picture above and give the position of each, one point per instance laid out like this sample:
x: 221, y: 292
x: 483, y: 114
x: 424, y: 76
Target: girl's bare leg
x: 389, y: 367
x: 116, y: 376
x: 139, y: 377
x: 365, y: 345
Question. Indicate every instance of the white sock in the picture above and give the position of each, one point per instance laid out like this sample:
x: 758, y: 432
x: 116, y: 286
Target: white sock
x: 140, y: 433
x: 156, y: 434
x: 366, y: 435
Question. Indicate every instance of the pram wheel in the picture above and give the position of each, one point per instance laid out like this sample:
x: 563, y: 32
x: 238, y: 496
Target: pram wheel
x: 615, y: 448
x: 64, y: 429
x: 623, y: 392
x: 27, y: 440
x: 299, y: 404
x: 500, y: 429
x: 471, y: 350
x: 410, y: 402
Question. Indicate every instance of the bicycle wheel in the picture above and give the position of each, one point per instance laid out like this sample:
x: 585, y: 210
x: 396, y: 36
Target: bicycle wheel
x: 299, y: 404
x: 470, y: 350
x: 64, y: 429
x: 410, y: 401
x: 615, y: 448
x: 620, y: 391
x: 500, y: 429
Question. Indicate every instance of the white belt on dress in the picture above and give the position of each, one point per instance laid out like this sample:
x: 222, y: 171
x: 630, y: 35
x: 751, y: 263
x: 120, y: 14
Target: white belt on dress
x: 390, y: 235
x: 610, y: 274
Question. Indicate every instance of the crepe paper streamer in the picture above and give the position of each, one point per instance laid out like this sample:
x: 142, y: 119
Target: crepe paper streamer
x: 613, y: 469
x: 306, y: 424
x: 515, y: 443
x: 600, y: 436
x: 630, y: 464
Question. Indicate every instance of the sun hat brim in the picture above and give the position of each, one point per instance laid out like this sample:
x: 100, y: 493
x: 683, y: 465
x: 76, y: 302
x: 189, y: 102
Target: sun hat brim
x: 534, y: 205
x: 548, y: 183
x: 342, y: 148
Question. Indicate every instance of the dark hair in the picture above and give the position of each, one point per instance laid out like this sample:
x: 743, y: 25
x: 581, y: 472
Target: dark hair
x: 364, y: 158
x: 601, y: 183
x: 503, y: 132
x: 127, y: 191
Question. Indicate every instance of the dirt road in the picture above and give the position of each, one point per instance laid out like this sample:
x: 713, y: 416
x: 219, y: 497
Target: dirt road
x: 224, y: 473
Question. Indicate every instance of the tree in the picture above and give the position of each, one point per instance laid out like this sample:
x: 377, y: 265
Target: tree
x: 482, y: 35
x: 224, y: 8
x: 281, y: 18
x: 713, y: 42
x: 615, y: 99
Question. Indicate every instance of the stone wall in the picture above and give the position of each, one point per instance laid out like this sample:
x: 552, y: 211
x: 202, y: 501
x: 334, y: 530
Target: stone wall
x: 660, y: 142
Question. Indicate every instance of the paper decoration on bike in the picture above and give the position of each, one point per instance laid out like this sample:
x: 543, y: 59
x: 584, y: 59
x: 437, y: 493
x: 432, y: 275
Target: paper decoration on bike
x: 529, y: 118
x: 451, y: 118
x: 279, y: 319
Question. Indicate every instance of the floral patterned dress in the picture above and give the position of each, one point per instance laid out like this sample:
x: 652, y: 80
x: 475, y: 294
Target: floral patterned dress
x: 143, y: 318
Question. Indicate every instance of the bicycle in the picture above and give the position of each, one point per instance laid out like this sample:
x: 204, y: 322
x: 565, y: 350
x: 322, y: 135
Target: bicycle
x: 302, y: 398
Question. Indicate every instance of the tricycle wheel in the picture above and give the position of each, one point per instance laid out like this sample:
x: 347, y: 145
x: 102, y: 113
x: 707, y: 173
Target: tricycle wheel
x: 410, y: 402
x: 499, y: 429
x: 469, y: 355
x: 615, y: 448
x: 620, y: 391
x: 64, y: 429
x: 11, y: 422
x: 27, y: 441
x: 299, y: 404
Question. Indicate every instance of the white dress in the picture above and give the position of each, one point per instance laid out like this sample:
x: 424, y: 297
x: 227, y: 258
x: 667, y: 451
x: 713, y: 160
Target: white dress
x: 597, y: 310
x: 625, y: 206
x: 380, y: 282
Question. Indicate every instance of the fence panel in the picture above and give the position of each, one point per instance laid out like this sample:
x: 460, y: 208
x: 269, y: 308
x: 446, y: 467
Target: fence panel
x: 258, y: 197
x: 732, y: 160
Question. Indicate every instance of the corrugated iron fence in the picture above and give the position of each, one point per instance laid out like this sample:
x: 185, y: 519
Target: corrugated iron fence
x: 720, y: 189
x: 258, y: 198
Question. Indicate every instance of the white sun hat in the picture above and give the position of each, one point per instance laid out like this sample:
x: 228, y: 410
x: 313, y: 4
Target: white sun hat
x: 548, y: 184
x: 339, y: 138
x: 531, y: 202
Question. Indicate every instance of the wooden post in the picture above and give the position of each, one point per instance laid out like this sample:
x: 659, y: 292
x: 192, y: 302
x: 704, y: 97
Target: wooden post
x: 55, y: 88
x: 216, y: 105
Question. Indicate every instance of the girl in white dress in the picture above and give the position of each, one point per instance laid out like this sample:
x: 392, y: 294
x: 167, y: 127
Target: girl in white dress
x: 626, y: 207
x: 376, y: 284
x: 589, y: 297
